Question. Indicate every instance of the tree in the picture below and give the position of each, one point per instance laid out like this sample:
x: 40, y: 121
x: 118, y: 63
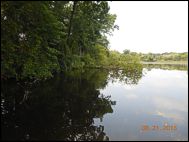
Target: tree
x: 126, y: 51
x: 30, y: 33
x: 40, y: 38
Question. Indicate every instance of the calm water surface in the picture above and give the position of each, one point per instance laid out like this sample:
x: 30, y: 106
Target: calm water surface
x: 144, y: 104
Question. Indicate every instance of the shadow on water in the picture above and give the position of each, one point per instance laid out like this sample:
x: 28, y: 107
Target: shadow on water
x: 61, y: 108
x: 64, y: 107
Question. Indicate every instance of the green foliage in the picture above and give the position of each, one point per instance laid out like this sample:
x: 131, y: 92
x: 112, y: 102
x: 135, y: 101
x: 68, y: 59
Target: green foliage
x: 126, y: 51
x: 118, y: 60
x: 39, y: 38
x: 164, y: 57
x: 29, y: 34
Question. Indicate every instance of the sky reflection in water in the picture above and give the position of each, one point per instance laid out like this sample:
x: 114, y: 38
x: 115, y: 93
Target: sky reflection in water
x: 159, y: 97
x: 98, y: 105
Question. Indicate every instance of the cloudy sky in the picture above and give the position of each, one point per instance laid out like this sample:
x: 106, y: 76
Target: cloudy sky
x: 156, y: 26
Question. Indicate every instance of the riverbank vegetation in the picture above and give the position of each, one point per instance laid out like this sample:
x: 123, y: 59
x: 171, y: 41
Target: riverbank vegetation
x: 39, y: 39
x: 165, y: 57
x: 42, y: 38
x: 160, y: 58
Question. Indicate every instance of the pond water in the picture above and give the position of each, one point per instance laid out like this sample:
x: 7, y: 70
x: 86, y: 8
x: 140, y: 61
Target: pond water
x: 149, y: 103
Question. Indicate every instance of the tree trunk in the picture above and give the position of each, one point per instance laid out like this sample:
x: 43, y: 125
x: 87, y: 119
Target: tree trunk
x: 70, y: 24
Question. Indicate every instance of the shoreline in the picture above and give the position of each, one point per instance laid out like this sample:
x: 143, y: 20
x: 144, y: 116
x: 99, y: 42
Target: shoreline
x: 167, y: 63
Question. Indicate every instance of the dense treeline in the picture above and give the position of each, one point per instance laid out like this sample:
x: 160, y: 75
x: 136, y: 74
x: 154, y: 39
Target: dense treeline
x: 40, y: 38
x: 152, y: 57
x: 165, y: 57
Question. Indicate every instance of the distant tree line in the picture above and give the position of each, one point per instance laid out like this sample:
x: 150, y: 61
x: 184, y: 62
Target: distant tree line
x: 152, y: 57
x: 165, y: 57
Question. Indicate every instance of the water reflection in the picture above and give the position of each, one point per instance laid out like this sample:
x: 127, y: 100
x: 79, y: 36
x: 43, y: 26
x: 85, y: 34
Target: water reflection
x: 62, y: 108
x: 93, y: 105
x: 160, y: 97
x: 166, y: 66
x: 126, y: 76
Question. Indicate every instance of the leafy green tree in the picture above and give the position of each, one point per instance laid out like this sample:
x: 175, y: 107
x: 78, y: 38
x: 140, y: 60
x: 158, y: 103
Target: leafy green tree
x: 126, y: 51
x: 40, y: 38
x: 30, y: 33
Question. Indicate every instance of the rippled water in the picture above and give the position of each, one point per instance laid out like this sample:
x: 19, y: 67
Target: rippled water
x: 144, y: 104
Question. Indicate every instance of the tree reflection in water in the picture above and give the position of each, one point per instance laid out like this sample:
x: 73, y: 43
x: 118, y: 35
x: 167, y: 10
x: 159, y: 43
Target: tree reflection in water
x: 128, y: 75
x: 166, y: 66
x: 61, y: 108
